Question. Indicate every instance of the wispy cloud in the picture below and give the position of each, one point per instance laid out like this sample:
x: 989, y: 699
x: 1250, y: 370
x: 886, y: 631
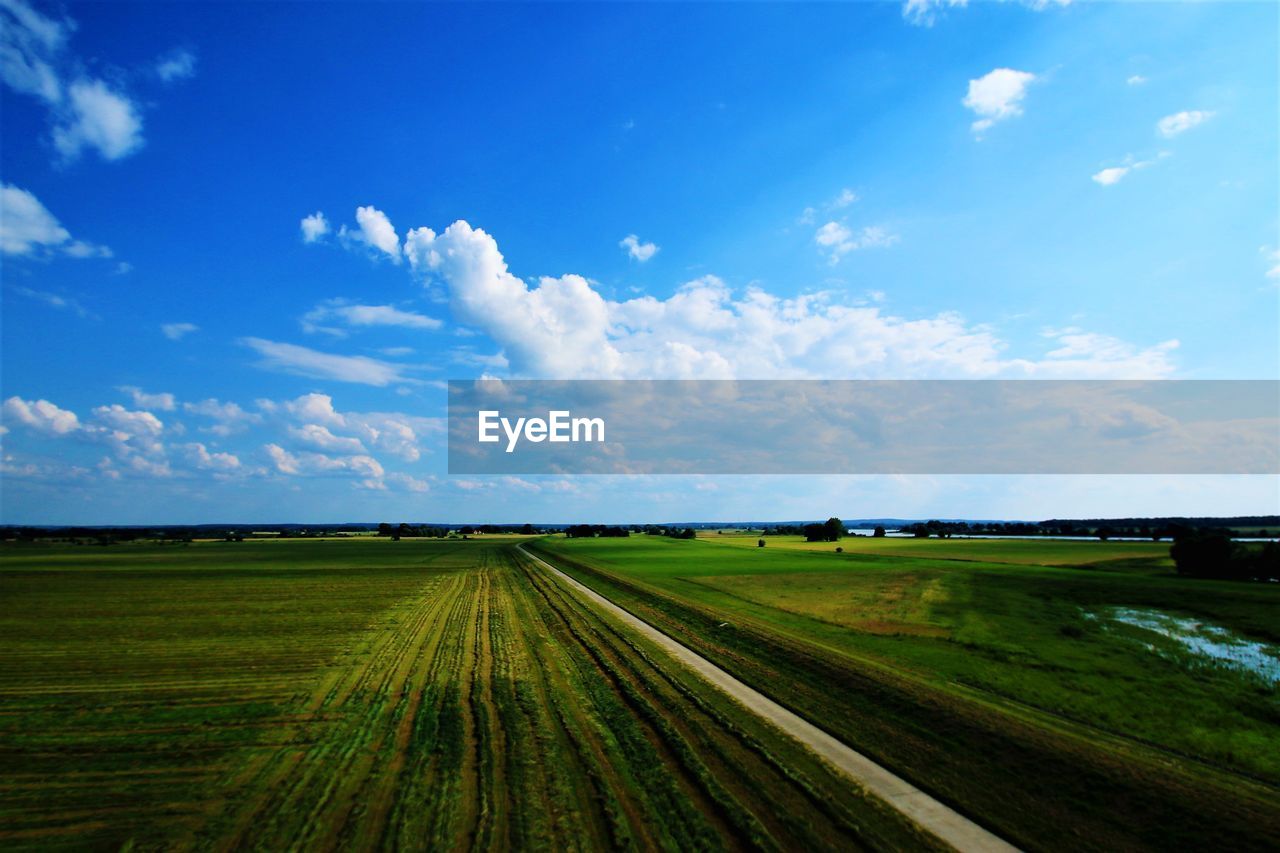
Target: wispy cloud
x: 177, y: 331
x: 65, y: 303
x: 228, y: 417
x: 1179, y: 123
x: 163, y: 401
x: 303, y: 361
x: 363, y: 316
x: 923, y: 13
x: 85, y: 112
x: 1114, y: 174
x: 1272, y: 255
x: 28, y: 228
x: 176, y: 65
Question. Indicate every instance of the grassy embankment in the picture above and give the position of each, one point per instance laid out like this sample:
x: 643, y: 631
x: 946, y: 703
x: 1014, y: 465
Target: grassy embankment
x: 369, y: 694
x: 1000, y: 687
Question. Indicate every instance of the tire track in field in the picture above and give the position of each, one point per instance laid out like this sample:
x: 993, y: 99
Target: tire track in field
x: 574, y: 766
x: 691, y: 802
x: 934, y: 817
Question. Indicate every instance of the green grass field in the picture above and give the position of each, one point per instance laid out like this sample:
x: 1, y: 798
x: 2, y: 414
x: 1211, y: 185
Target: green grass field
x: 1032, y: 552
x: 365, y: 694
x: 990, y: 672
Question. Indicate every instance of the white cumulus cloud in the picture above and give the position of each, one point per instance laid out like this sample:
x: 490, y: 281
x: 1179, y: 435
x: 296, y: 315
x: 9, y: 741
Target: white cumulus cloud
x: 836, y: 240
x: 307, y: 463
x: 563, y: 328
x: 391, y: 432
x: 375, y: 231
x: 85, y: 113
x: 314, y: 227
x: 201, y: 457
x: 637, y: 250
x: 40, y: 415
x: 98, y: 118
x: 996, y: 96
x: 320, y: 436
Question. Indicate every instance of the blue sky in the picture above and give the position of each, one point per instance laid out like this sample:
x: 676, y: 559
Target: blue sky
x: 990, y: 190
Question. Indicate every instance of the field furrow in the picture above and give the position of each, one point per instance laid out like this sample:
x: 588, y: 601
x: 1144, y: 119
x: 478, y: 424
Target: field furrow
x: 445, y: 695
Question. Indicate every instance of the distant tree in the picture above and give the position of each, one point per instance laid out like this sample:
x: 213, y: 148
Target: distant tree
x: 829, y: 531
x: 759, y: 543
x: 1202, y: 555
x: 879, y: 531
x: 527, y: 530
x: 384, y: 529
x: 1104, y: 533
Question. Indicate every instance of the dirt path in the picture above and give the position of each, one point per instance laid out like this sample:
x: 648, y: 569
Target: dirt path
x: 931, y: 815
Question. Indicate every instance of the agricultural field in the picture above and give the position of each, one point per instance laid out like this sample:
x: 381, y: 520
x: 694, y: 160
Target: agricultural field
x: 1031, y: 552
x: 367, y: 694
x: 1059, y: 692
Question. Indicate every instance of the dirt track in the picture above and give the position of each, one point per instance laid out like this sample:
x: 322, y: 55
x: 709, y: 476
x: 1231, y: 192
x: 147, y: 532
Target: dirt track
x: 931, y: 815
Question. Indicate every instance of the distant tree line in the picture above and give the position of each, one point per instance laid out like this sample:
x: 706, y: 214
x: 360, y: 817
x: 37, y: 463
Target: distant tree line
x: 1212, y: 554
x: 589, y: 531
x: 1154, y: 529
x: 173, y: 533
x: 441, y: 531
x: 406, y: 531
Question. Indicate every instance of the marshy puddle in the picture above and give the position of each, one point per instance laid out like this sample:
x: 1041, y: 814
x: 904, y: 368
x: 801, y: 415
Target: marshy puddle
x: 1206, y: 641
